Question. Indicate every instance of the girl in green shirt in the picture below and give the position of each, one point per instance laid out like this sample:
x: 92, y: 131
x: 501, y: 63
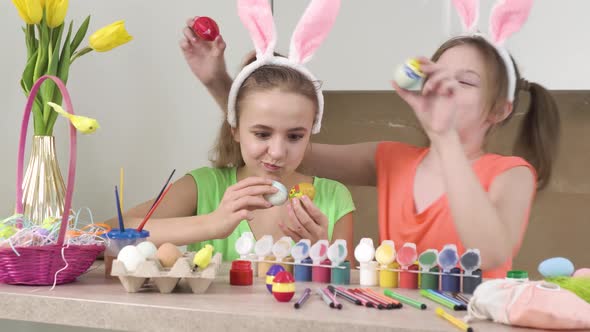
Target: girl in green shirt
x: 275, y: 105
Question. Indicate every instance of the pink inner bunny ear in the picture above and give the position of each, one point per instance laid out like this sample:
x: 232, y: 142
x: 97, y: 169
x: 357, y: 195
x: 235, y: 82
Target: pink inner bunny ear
x: 508, y: 16
x: 468, y: 11
x: 257, y: 17
x: 312, y: 29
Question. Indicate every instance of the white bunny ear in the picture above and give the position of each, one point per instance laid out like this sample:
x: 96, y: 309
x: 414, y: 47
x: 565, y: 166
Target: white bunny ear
x: 468, y: 11
x: 257, y: 17
x: 312, y: 29
x: 508, y: 16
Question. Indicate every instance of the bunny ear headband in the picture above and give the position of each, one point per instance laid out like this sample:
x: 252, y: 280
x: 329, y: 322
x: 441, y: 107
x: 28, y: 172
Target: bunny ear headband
x: 312, y: 29
x: 507, y: 17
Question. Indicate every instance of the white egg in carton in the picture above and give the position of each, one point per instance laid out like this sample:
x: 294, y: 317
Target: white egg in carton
x: 166, y: 279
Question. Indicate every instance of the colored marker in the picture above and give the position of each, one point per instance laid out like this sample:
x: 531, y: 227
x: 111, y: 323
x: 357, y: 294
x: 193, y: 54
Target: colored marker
x: 393, y: 303
x: 461, y: 297
x: 453, y: 320
x: 374, y: 303
x: 439, y: 300
x: 345, y: 296
x: 380, y: 302
x: 446, y: 297
x: 303, y: 298
x: 405, y: 300
x: 342, y: 290
x: 457, y: 297
x: 324, y: 297
x: 337, y: 304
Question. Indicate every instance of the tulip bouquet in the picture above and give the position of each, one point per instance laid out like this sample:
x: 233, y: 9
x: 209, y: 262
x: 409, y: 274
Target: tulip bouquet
x: 50, y: 53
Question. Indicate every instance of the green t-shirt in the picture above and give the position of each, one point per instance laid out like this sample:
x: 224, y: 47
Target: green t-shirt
x: 332, y: 198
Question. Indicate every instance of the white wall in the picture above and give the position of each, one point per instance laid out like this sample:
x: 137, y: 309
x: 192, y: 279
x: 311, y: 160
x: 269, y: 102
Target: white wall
x: 370, y: 38
x: 553, y: 47
x: 155, y: 116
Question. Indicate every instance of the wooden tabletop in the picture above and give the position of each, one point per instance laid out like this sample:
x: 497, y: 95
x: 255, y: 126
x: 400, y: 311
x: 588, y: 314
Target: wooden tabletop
x: 96, y: 302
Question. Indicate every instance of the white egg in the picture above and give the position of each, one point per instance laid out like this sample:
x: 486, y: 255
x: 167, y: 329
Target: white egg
x: 280, y: 197
x: 131, y: 257
x: 147, y: 249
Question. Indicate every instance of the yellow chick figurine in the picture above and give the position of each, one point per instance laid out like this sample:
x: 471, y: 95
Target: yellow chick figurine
x: 83, y: 124
x: 203, y: 257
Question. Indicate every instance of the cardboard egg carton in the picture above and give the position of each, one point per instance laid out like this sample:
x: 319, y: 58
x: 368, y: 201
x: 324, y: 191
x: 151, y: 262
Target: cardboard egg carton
x: 166, y: 279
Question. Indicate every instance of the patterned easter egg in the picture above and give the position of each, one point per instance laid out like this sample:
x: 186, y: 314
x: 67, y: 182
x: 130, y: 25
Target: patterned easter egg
x: 283, y: 287
x: 301, y: 189
x: 270, y: 275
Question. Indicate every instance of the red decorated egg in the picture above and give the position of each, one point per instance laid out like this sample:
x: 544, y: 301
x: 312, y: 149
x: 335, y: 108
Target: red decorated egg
x: 206, y: 28
x: 283, y: 287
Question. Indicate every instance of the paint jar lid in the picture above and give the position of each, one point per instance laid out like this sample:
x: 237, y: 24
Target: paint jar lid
x: 517, y: 274
x: 127, y: 234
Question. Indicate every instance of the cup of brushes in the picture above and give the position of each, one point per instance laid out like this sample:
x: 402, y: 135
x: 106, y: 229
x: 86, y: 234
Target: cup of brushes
x: 117, y: 239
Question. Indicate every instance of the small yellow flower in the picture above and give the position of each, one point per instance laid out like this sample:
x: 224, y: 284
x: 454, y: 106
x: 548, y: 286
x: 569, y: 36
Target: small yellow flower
x: 109, y: 37
x: 55, y: 12
x: 29, y: 10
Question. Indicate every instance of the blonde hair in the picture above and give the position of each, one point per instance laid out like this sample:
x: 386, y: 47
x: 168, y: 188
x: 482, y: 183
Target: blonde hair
x: 538, y: 136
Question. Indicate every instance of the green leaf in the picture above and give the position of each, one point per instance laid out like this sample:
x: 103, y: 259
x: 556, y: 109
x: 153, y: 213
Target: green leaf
x: 32, y: 42
x: 28, y: 92
x: 64, y: 60
x: 40, y: 70
x: 48, y: 88
x: 27, y: 77
x: 28, y: 41
x: 67, y: 44
x: 42, y: 59
x: 22, y: 85
x: 55, y: 41
x: 35, y: 41
x: 62, y: 73
x: 38, y: 120
x: 80, y: 53
x: 53, y: 116
x: 80, y: 34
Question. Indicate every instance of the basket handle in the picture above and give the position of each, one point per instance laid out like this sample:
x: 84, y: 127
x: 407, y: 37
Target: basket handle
x: 21, y: 153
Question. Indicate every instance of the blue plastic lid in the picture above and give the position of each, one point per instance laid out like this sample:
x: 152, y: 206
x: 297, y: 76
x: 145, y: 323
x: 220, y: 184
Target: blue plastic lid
x: 129, y: 233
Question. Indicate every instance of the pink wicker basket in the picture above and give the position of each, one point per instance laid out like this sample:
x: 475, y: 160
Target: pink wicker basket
x: 38, y: 265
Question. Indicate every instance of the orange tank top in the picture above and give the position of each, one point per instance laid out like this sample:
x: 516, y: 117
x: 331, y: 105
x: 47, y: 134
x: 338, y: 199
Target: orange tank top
x: 396, y: 165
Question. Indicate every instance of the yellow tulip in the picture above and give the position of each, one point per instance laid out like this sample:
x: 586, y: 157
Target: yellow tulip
x: 29, y: 10
x: 109, y: 37
x: 55, y: 12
